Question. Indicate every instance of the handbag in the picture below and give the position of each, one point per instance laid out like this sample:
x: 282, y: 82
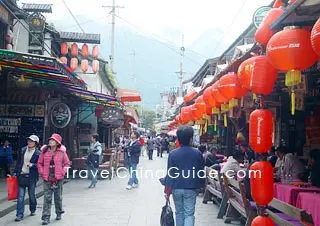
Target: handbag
x: 12, y: 187
x: 24, y: 180
x: 166, y: 218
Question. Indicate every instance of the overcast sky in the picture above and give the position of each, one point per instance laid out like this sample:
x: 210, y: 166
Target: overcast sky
x: 166, y: 19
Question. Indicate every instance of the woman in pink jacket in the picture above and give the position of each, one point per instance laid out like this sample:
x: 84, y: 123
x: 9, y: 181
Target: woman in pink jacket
x: 53, y: 164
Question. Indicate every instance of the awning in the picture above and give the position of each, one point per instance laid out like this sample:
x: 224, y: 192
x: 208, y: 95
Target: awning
x: 130, y: 115
x: 41, y: 68
x: 172, y: 133
x: 127, y: 95
x: 50, y: 70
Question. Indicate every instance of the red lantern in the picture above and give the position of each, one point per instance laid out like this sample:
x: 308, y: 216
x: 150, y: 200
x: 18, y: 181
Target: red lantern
x: 64, y: 48
x: 189, y: 96
x: 73, y: 64
x: 84, y: 65
x: 315, y: 37
x: 230, y: 86
x: 209, y: 110
x: 290, y: 49
x: 186, y: 114
x: 64, y: 60
x: 262, y: 221
x: 258, y: 75
x: 217, y: 95
x: 264, y: 33
x: 95, y: 66
x: 208, y: 98
x: 277, y: 4
x: 261, y: 130
x: 95, y: 51
x: 196, y: 114
x: 74, y: 50
x: 261, y: 182
x: 84, y: 50
x: 200, y: 105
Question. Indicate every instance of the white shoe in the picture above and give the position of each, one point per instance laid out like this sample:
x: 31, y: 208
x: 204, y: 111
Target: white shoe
x: 129, y: 187
x: 135, y: 185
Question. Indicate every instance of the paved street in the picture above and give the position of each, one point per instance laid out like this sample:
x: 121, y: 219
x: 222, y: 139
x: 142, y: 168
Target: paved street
x: 111, y: 204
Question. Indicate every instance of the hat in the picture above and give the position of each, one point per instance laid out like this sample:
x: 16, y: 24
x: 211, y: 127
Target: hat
x: 56, y: 137
x: 34, y: 138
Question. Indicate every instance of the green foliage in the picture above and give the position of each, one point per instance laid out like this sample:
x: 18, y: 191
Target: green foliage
x: 146, y: 116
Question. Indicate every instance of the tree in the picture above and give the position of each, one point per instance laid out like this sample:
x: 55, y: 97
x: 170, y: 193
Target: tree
x: 146, y: 116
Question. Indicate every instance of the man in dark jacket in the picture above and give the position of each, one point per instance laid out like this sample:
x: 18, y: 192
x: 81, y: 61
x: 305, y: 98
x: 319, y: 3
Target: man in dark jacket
x: 185, y: 175
x: 27, y: 172
x: 134, y: 150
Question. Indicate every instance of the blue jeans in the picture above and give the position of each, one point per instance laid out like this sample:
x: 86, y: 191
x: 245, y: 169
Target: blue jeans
x: 93, y: 174
x: 184, y: 202
x: 133, y: 174
x: 32, y: 198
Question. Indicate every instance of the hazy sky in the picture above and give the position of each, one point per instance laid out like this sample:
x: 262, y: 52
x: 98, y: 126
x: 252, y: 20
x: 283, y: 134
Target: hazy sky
x: 208, y: 26
x: 166, y: 19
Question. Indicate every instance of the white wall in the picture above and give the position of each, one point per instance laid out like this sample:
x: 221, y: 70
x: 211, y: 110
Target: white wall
x: 21, y: 37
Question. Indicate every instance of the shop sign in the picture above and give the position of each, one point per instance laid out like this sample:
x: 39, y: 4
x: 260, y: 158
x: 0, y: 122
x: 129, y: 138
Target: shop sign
x: 110, y: 115
x: 259, y: 15
x: 60, y: 115
x: 4, y: 15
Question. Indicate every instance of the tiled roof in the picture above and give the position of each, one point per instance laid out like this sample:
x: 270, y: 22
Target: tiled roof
x: 42, y: 8
x: 80, y: 37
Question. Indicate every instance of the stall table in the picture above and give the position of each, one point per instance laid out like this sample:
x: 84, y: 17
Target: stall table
x: 289, y: 193
x: 310, y: 202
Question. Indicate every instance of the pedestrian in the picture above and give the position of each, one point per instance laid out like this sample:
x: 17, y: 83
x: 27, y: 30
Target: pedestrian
x: 141, y: 140
x: 158, y: 145
x: 53, y: 164
x: 134, y: 150
x: 185, y: 175
x: 249, y: 156
x: 6, y: 157
x: 94, y: 159
x: 27, y: 172
x: 150, y: 147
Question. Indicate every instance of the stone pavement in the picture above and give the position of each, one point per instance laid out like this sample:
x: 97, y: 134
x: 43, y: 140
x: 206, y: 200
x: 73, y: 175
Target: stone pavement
x: 111, y: 204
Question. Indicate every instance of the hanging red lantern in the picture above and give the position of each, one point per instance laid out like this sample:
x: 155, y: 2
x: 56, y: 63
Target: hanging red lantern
x: 261, y: 130
x: 74, y: 50
x: 262, y: 221
x: 230, y: 86
x: 186, y: 114
x: 208, y: 97
x: 278, y: 4
x: 95, y: 51
x: 258, y: 75
x: 84, y: 65
x: 64, y: 60
x: 95, y: 66
x: 189, y: 96
x: 64, y: 48
x: 315, y: 37
x: 217, y: 95
x: 84, y: 50
x: 264, y: 33
x: 290, y: 50
x: 261, y: 182
x: 73, y: 64
x: 209, y: 110
x: 196, y: 114
x: 200, y: 105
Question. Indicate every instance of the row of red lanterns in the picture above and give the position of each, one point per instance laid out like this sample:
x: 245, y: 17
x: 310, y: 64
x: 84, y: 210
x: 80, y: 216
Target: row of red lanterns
x: 84, y: 53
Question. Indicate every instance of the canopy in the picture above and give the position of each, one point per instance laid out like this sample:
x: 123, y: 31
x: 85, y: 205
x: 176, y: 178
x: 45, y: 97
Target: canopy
x: 127, y: 95
x: 131, y: 115
x: 172, y: 133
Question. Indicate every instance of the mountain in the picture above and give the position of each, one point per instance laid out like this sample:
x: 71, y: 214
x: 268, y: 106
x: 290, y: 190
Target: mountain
x: 152, y: 69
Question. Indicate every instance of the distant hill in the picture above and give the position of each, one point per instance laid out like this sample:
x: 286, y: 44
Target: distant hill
x: 154, y: 64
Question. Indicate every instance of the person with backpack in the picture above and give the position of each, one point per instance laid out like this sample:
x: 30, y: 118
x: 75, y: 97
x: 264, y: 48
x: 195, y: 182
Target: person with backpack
x: 6, y: 157
x: 53, y: 164
x: 27, y: 173
x: 94, y: 159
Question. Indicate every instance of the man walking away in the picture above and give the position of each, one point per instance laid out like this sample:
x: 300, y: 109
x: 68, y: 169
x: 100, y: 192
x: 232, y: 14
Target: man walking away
x: 185, y: 175
x: 94, y: 159
x: 150, y: 147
